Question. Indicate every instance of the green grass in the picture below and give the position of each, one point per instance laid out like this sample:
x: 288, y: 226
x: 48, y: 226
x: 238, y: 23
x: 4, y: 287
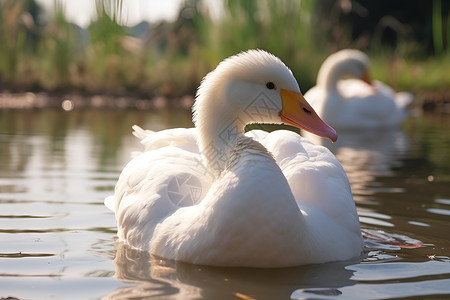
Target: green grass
x: 172, y: 61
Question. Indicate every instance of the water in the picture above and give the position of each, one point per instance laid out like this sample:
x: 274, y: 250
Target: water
x: 57, y: 240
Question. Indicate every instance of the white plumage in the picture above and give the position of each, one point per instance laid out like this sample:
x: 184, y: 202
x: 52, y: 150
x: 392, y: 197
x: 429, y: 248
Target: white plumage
x: 355, y: 103
x: 213, y: 195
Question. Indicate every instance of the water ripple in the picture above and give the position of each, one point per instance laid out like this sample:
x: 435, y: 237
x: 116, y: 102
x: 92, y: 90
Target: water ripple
x: 397, y: 270
x: 439, y: 211
x: 380, y: 291
x: 22, y: 254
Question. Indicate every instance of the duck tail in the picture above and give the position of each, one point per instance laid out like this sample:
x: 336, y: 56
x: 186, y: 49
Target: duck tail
x: 141, y: 133
x: 109, y: 202
x: 403, y: 99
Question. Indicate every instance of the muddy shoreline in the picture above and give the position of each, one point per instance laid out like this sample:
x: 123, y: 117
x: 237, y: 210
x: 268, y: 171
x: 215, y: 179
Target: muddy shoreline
x: 430, y: 102
x: 70, y: 101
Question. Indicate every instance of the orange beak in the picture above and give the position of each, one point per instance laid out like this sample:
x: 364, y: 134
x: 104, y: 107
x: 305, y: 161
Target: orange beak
x: 367, y: 78
x: 297, y: 112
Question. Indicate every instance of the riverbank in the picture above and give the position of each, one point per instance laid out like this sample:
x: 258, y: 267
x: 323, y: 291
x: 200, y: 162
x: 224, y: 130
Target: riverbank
x: 70, y: 101
x: 427, y: 101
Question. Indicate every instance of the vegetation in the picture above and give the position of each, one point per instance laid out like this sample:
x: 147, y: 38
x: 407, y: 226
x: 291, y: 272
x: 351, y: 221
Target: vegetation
x: 170, y: 58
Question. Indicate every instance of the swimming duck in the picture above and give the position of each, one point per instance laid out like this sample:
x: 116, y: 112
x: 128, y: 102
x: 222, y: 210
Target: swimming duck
x: 357, y: 102
x: 215, y: 195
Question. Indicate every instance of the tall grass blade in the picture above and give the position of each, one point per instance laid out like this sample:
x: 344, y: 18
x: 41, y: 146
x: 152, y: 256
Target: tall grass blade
x: 437, y: 28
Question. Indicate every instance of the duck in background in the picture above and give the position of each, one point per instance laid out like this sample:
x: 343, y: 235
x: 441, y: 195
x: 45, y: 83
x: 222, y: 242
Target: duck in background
x: 356, y: 102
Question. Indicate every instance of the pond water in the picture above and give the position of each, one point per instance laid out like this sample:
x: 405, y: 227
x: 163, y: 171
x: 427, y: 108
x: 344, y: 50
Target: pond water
x: 58, y: 241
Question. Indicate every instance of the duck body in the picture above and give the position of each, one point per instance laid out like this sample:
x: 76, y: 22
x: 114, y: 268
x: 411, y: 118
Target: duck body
x: 256, y: 200
x: 355, y: 103
x: 227, y: 225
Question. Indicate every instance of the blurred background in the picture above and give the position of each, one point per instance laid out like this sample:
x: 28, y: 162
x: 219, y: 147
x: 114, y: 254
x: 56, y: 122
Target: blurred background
x: 157, y: 53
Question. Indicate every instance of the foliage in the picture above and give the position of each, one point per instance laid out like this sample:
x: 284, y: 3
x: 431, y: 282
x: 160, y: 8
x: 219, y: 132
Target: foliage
x: 170, y: 58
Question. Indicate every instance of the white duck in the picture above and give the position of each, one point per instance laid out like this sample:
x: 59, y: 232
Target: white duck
x: 355, y: 103
x: 213, y: 195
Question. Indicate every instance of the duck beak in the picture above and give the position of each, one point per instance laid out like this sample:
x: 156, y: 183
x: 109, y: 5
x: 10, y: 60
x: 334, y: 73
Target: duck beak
x: 297, y: 112
x: 367, y: 78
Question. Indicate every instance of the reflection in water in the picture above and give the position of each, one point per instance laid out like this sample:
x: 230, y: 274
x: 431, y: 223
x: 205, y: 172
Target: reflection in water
x: 152, y: 277
x: 149, y: 277
x: 366, y: 155
x: 56, y: 168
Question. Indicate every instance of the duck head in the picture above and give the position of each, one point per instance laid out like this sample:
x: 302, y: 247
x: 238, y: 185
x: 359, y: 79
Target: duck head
x: 344, y: 63
x: 254, y: 87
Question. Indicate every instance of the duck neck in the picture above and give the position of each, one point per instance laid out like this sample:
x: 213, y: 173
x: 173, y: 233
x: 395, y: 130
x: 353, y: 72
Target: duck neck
x: 328, y: 77
x: 218, y: 132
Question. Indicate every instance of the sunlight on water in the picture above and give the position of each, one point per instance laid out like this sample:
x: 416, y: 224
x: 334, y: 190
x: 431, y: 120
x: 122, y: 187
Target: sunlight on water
x: 59, y: 240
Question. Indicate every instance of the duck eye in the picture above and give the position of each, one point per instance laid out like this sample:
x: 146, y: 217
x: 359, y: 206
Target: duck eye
x: 270, y: 85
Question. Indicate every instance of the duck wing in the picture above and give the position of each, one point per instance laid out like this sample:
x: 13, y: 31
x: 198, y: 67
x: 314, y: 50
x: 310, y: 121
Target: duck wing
x: 170, y: 174
x: 317, y: 179
x: 401, y: 99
